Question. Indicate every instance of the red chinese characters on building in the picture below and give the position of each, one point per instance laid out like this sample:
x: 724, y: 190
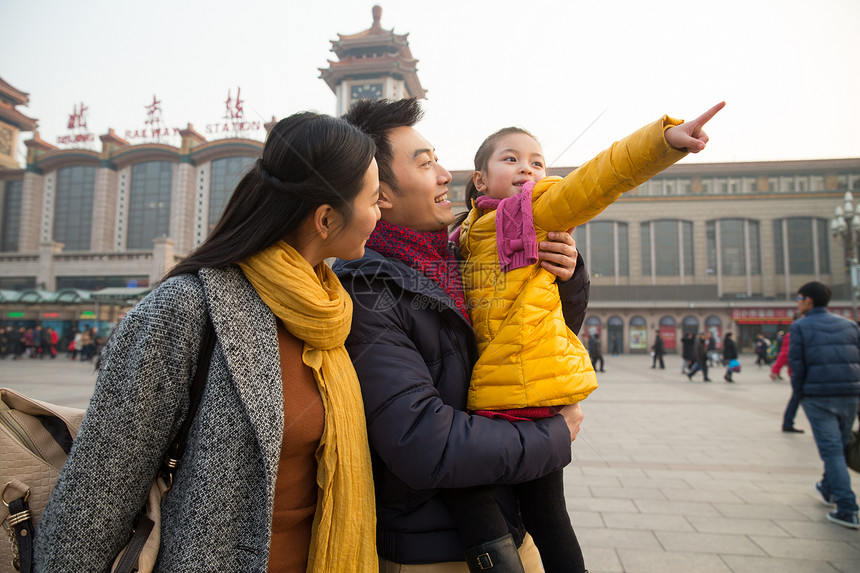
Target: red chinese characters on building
x: 153, y: 113
x: 775, y: 315
x: 234, y: 117
x: 78, y: 117
x: 155, y: 125
x: 234, y: 109
x: 77, y: 124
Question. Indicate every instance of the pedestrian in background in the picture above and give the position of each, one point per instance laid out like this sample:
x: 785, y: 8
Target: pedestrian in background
x: 713, y: 355
x: 761, y: 345
x: 793, y: 401
x: 824, y: 357
x: 687, y: 344
x: 700, y: 358
x: 730, y: 352
x: 658, y: 350
x: 594, y: 351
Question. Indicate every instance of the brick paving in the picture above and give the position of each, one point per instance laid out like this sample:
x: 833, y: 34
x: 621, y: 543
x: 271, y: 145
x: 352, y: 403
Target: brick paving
x: 668, y: 475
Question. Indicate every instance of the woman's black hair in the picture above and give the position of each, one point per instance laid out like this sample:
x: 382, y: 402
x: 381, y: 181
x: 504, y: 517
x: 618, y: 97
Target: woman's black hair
x: 308, y: 160
x: 482, y: 158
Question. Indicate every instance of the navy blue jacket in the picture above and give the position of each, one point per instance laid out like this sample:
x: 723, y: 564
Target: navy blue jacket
x: 824, y: 355
x: 414, y: 352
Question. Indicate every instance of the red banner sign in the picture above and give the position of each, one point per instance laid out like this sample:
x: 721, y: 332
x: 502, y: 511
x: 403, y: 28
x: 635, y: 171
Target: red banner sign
x: 775, y: 315
x: 667, y: 333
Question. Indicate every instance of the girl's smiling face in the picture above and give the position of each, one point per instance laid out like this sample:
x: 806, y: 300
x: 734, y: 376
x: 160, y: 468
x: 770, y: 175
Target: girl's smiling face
x: 516, y: 159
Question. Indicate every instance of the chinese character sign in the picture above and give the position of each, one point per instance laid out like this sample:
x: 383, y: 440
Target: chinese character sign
x: 153, y: 113
x: 78, y: 117
x: 156, y: 129
x: 234, y: 123
x: 234, y: 108
x: 79, y: 135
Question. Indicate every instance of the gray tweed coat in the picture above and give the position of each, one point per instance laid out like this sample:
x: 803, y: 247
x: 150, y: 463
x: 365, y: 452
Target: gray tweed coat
x: 217, y: 517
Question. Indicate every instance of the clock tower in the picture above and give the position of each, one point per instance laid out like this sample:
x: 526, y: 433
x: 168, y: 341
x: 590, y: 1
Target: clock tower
x: 12, y: 122
x: 372, y: 64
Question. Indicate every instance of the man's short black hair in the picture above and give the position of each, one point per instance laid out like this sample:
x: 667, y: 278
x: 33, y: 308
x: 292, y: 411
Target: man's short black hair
x: 818, y: 292
x: 377, y: 119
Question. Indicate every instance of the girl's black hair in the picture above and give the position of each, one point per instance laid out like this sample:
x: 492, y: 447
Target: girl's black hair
x: 308, y: 160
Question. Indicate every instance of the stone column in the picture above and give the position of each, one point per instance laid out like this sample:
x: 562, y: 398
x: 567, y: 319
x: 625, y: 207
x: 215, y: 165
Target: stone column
x: 45, y: 277
x: 182, y: 207
x: 162, y: 259
x: 32, y: 200
x: 104, y: 210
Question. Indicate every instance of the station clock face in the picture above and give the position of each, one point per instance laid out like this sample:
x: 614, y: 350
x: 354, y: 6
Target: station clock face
x: 5, y: 141
x: 365, y: 91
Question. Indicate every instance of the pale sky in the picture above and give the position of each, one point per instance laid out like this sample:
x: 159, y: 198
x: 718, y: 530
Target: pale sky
x: 789, y: 70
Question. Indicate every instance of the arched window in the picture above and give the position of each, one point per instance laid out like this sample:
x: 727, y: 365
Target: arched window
x: 615, y: 326
x: 802, y: 243
x: 592, y: 326
x: 690, y: 324
x: 667, y: 248
x: 714, y: 326
x: 149, y: 203
x: 73, y: 207
x: 224, y: 175
x: 638, y: 334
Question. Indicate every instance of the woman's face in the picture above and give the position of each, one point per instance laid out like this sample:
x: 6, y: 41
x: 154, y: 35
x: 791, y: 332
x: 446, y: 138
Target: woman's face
x: 348, y: 242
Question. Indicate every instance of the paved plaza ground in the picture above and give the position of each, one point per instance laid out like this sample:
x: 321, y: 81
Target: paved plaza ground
x: 668, y: 475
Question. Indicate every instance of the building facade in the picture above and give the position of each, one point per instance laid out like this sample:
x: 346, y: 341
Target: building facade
x: 713, y: 247
x: 702, y: 247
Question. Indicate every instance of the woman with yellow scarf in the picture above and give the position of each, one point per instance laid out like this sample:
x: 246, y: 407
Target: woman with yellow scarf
x: 276, y: 474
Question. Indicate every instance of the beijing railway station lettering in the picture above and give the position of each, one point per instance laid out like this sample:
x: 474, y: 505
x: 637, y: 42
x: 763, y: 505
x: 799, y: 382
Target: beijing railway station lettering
x: 243, y: 126
x: 234, y: 117
x: 77, y: 126
x: 133, y: 134
x: 76, y: 138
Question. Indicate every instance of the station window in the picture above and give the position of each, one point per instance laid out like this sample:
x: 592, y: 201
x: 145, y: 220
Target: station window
x: 73, y: 207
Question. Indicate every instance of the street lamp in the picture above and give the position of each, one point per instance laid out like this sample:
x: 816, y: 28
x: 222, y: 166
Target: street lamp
x: 846, y: 224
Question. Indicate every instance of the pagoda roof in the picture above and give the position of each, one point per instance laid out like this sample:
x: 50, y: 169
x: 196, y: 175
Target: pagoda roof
x: 13, y: 95
x: 10, y: 115
x: 373, y: 52
x: 375, y: 35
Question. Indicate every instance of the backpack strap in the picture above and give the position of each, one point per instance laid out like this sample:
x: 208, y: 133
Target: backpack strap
x: 174, y: 454
x: 19, y: 526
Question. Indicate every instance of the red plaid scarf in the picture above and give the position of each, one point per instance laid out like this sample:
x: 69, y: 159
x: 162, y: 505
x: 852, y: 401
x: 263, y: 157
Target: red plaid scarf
x: 426, y: 252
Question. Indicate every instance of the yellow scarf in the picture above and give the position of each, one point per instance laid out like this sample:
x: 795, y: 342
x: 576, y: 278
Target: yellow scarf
x: 316, y: 309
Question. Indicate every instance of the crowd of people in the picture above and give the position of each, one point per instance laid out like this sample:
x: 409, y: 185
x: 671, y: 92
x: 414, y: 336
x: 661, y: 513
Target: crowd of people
x: 45, y: 342
x: 700, y: 352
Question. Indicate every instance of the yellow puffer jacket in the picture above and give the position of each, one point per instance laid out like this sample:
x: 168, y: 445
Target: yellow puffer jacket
x: 527, y: 355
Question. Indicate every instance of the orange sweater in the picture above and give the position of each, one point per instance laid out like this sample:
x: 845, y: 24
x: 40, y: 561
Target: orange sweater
x: 296, y: 486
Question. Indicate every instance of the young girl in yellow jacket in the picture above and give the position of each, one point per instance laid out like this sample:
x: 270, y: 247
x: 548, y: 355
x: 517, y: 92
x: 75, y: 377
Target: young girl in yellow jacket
x: 529, y: 361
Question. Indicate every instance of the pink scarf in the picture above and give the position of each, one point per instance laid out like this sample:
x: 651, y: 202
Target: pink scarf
x: 516, y: 240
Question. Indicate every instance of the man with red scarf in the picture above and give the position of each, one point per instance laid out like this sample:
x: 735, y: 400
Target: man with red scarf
x: 413, y: 348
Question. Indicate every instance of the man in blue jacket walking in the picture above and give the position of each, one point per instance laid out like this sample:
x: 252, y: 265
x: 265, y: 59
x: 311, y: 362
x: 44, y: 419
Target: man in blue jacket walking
x: 824, y: 357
